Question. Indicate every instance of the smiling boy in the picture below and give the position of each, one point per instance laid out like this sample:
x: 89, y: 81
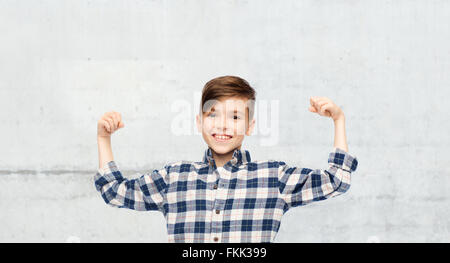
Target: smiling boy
x: 227, y: 196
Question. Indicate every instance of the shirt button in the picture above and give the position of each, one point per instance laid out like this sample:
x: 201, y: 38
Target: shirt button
x: 217, y: 211
x: 216, y: 239
x: 215, y: 186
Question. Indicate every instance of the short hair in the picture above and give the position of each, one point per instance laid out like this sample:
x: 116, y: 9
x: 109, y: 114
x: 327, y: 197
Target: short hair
x: 229, y: 86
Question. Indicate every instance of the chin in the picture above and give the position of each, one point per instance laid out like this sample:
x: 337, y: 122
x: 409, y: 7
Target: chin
x: 222, y: 149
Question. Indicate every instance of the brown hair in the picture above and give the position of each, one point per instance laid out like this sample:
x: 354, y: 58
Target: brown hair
x: 228, y: 86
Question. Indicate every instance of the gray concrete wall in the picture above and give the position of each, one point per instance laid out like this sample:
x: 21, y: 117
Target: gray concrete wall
x: 64, y: 63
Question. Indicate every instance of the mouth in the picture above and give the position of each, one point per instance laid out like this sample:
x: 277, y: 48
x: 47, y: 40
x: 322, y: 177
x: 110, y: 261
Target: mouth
x: 222, y: 137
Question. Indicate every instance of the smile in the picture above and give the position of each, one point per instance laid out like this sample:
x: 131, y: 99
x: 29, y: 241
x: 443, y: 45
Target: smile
x: 222, y: 137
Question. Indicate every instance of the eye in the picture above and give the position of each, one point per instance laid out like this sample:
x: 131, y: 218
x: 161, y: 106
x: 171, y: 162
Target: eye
x: 236, y: 117
x: 211, y: 115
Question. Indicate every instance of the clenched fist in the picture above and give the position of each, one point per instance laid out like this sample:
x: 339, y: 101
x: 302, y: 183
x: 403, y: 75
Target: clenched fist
x: 109, y: 123
x: 325, y: 107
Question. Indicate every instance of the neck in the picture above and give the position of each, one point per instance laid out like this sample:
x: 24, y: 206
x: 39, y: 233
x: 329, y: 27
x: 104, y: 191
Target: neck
x: 222, y: 159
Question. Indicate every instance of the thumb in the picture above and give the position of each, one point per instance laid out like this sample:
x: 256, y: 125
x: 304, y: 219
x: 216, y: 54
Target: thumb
x: 121, y: 125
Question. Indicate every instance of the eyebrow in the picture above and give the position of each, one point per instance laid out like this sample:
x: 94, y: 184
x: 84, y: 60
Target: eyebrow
x: 235, y: 111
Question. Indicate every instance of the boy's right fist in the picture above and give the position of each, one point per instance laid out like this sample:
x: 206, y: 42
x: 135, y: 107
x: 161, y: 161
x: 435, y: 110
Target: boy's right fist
x: 109, y: 123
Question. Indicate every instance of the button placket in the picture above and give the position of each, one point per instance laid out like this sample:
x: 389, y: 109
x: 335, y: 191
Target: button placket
x: 219, y: 203
x: 211, y: 197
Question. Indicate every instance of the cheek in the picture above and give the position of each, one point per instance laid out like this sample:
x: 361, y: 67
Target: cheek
x: 239, y: 128
x: 207, y: 124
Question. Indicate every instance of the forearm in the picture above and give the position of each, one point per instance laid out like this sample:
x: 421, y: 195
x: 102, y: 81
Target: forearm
x: 105, y: 154
x: 340, y: 140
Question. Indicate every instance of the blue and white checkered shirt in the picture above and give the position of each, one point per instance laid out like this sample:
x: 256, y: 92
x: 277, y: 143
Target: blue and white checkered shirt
x: 243, y: 201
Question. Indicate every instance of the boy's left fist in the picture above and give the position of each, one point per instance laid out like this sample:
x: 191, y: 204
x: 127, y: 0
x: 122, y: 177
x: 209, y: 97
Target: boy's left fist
x: 325, y: 107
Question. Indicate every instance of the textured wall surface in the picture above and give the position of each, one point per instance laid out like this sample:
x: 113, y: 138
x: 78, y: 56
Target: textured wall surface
x: 64, y: 63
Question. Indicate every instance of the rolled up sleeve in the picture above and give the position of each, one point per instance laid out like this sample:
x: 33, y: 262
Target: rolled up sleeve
x: 300, y: 186
x: 148, y: 192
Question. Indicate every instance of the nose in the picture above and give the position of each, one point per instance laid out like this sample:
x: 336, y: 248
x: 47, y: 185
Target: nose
x: 221, y: 123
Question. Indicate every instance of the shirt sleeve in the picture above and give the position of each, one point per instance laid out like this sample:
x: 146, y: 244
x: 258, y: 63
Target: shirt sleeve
x: 148, y: 192
x: 300, y: 186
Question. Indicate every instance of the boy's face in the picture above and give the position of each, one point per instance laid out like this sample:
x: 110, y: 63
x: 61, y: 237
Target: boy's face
x: 224, y: 125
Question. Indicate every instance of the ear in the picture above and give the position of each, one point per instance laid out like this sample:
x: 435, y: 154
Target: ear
x: 199, y: 123
x: 250, y: 128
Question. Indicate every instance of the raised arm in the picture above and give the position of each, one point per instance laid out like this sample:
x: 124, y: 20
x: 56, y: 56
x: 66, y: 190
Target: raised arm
x: 300, y: 186
x: 144, y: 193
x: 106, y: 126
x: 325, y: 107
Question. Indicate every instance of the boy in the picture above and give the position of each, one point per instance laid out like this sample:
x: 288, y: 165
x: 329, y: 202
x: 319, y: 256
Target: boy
x: 226, y: 197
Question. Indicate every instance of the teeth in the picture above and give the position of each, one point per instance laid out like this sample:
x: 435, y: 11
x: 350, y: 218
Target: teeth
x: 221, y: 137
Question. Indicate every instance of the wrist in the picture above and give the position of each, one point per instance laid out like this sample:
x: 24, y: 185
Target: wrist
x: 103, y: 138
x: 340, y: 118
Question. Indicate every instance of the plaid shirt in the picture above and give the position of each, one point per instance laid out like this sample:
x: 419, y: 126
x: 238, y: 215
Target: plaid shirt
x: 243, y: 201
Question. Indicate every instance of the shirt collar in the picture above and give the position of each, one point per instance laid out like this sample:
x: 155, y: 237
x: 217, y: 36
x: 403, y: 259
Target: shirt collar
x: 240, y: 156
